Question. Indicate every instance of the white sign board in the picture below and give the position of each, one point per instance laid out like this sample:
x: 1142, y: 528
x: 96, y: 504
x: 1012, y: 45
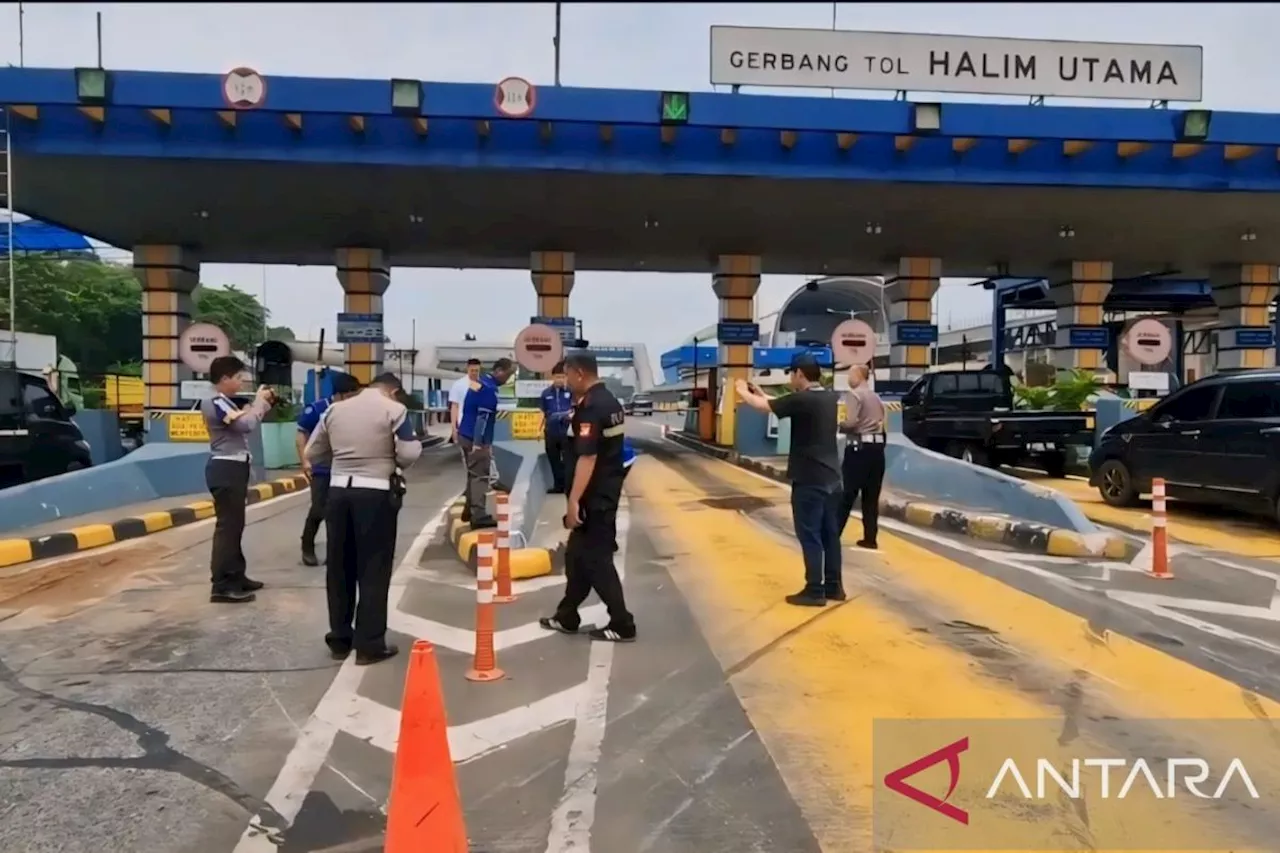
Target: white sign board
x: 196, y: 389
x: 244, y: 89
x: 1148, y: 341
x: 853, y: 342
x: 836, y: 59
x: 527, y: 389
x: 1149, y: 380
x: 515, y: 97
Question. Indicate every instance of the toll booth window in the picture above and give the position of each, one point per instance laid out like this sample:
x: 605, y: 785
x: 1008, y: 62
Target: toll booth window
x: 40, y: 402
x: 1243, y: 400
x: 1194, y: 404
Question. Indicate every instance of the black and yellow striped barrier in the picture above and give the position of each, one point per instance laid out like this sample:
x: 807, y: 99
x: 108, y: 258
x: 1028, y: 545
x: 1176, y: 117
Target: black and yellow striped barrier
x: 525, y: 562
x: 86, y: 537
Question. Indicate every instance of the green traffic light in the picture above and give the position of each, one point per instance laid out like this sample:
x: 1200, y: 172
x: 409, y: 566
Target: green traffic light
x: 675, y: 107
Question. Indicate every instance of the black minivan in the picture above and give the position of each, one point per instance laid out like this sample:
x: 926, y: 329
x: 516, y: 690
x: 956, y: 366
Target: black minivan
x: 1215, y: 441
x: 37, y: 437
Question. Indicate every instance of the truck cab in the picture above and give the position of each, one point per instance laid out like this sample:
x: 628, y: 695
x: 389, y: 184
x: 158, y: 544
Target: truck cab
x: 37, y: 436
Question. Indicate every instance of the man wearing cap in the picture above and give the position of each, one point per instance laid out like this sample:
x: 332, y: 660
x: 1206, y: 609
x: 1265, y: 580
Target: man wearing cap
x: 343, y: 385
x: 813, y: 467
x: 369, y: 439
x: 557, y: 409
x: 863, y: 468
x: 475, y: 437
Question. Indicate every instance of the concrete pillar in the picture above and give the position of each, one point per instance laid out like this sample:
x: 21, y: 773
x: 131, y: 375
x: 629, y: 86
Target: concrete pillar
x: 910, y: 291
x: 552, y: 274
x: 736, y: 281
x: 1081, y: 339
x: 364, y: 276
x: 168, y: 275
x: 1244, y: 295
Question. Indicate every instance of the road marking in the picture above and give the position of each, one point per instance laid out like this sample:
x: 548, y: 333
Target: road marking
x: 481, y: 737
x: 463, y: 639
x: 576, y: 812
x: 316, y: 737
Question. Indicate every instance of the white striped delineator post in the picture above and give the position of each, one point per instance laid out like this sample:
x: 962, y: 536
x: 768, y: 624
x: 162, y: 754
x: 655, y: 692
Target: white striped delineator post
x: 485, y: 665
x: 1159, y: 532
x: 504, y: 594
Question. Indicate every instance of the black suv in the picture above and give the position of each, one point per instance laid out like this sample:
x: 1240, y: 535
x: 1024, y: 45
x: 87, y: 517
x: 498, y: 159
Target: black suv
x: 37, y: 436
x: 1215, y: 441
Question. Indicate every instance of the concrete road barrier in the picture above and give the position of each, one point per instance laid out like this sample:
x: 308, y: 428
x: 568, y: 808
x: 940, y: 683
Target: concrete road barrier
x: 523, y: 473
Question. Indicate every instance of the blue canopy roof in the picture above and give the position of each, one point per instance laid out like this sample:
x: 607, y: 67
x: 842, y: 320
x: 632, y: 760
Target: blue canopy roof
x: 34, y: 236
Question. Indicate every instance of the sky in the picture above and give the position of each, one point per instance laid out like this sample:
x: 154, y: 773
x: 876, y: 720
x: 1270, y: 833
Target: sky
x: 618, y: 45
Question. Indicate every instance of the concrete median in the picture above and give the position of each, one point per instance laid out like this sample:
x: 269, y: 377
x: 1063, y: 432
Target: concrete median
x: 927, y: 489
x: 523, y: 474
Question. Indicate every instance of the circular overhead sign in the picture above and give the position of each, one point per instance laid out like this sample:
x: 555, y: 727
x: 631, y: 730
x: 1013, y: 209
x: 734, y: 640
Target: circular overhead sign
x: 244, y: 89
x: 853, y: 342
x: 515, y: 97
x: 538, y: 348
x: 200, y: 343
x: 1148, y: 341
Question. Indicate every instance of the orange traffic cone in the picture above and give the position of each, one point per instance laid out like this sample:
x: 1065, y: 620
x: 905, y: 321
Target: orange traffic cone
x: 504, y: 594
x: 485, y: 665
x: 424, y: 811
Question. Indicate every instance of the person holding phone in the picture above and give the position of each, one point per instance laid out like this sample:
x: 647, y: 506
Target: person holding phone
x: 227, y: 476
x: 813, y: 467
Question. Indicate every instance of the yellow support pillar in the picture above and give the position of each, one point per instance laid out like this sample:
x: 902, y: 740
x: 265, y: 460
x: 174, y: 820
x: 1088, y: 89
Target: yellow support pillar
x: 552, y: 274
x: 168, y: 275
x: 1244, y: 295
x: 1081, y: 338
x: 910, y: 293
x: 364, y: 276
x: 735, y: 284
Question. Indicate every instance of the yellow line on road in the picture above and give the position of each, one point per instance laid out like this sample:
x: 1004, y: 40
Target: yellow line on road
x: 813, y: 680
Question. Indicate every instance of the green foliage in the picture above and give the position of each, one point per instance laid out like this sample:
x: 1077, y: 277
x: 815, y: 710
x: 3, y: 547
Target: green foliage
x: 94, y: 309
x: 280, y: 333
x: 1071, y: 393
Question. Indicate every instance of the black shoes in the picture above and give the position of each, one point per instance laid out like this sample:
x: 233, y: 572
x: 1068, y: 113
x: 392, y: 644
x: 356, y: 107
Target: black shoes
x: 609, y: 634
x: 231, y: 596
x: 868, y: 544
x: 805, y: 598
x: 338, y: 651
x: 251, y: 585
x: 552, y: 623
x: 377, y: 656
x: 485, y: 523
x: 309, y: 557
x: 834, y: 595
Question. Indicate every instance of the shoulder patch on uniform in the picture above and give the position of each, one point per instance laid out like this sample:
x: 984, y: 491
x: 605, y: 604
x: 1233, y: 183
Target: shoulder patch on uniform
x: 309, y: 410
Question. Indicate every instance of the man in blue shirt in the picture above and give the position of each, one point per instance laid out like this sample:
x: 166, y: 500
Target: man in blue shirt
x: 557, y: 409
x: 343, y: 385
x: 475, y: 437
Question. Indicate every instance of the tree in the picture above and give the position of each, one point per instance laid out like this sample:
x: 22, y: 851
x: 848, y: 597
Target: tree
x: 280, y: 333
x: 94, y: 309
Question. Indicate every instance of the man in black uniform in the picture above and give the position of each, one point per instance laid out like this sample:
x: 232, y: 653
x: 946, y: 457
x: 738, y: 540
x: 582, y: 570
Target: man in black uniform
x: 594, y: 464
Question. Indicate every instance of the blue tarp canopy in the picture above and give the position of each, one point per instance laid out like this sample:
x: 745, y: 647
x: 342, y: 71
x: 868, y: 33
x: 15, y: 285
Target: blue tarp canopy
x: 34, y: 236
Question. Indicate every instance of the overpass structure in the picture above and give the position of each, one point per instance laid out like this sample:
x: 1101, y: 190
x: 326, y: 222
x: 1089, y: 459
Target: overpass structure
x: 231, y: 167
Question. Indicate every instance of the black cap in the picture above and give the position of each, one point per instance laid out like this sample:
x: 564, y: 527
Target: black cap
x: 803, y: 359
x: 343, y: 383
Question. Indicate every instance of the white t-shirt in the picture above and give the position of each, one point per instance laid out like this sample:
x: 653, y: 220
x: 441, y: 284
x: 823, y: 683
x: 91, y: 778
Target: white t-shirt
x: 458, y: 395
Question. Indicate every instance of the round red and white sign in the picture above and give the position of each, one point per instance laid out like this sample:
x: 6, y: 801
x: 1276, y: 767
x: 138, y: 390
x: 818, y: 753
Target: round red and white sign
x: 515, y: 97
x: 244, y: 89
x: 1148, y: 341
x: 538, y: 348
x: 853, y: 342
x: 200, y: 343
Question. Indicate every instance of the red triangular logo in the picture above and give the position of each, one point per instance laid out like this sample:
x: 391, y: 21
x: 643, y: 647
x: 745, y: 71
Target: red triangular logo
x: 896, y: 781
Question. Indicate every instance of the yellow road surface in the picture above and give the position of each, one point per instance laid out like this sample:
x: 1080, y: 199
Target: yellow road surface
x: 1244, y: 536
x: 814, y: 680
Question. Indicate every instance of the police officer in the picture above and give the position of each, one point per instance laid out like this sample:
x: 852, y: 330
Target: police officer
x: 343, y: 385
x: 557, y: 407
x: 227, y: 476
x: 863, y: 467
x: 595, y: 490
x: 369, y: 438
x: 475, y: 437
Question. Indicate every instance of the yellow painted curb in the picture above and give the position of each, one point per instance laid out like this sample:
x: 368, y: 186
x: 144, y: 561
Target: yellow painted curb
x: 530, y: 563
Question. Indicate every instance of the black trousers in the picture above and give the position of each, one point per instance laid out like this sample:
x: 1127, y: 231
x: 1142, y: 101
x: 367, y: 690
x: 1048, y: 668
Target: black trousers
x: 360, y: 526
x: 228, y: 483
x: 315, y: 515
x: 863, y: 470
x: 555, y: 446
x: 588, y: 565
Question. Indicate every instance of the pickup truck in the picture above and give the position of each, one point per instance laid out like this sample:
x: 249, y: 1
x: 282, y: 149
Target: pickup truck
x: 969, y: 415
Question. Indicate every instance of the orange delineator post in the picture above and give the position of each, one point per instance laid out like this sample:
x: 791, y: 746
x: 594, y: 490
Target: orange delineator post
x: 485, y: 665
x: 503, y: 552
x: 1159, y: 532
x: 424, y: 811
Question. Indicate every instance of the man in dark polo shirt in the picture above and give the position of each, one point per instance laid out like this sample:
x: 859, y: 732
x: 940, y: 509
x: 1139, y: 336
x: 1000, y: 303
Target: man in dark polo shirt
x: 813, y: 467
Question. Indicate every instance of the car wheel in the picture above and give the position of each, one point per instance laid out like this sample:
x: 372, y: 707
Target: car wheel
x: 1115, y: 484
x: 971, y: 453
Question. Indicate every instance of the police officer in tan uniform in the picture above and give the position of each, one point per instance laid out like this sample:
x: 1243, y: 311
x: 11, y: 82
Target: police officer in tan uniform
x: 863, y: 466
